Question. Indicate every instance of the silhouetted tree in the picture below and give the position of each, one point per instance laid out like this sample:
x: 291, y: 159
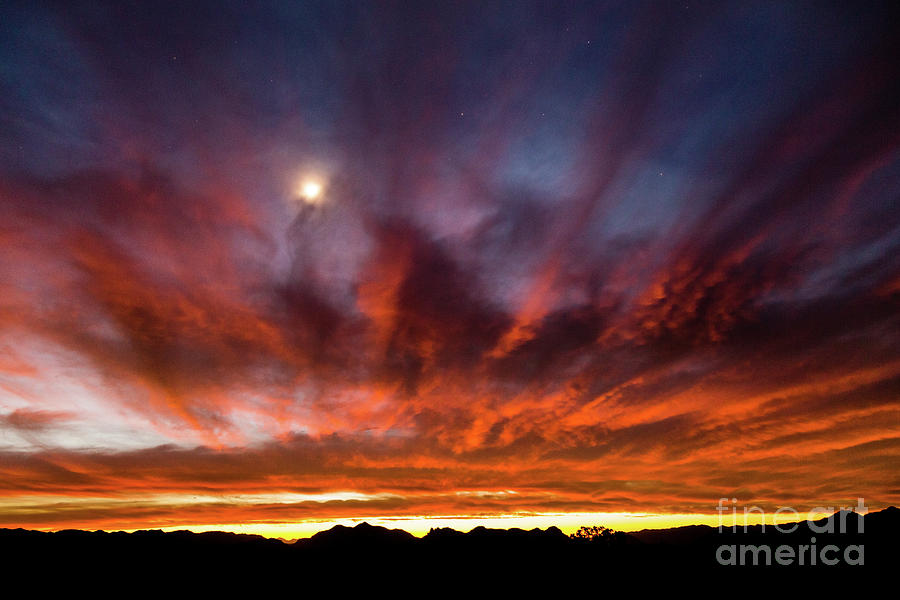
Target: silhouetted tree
x: 596, y: 534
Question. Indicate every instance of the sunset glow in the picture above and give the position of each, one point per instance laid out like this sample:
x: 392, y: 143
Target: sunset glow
x: 446, y: 265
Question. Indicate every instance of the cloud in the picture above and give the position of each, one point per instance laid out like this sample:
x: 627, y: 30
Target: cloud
x: 32, y: 420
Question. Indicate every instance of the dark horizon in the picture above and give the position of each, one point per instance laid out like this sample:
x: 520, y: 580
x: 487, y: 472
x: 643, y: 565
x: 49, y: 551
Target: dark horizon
x: 843, y: 545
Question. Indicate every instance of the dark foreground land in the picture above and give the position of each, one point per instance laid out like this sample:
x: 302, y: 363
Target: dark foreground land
x: 368, y: 553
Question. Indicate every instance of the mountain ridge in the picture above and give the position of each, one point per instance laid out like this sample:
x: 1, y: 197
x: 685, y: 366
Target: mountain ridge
x: 365, y: 531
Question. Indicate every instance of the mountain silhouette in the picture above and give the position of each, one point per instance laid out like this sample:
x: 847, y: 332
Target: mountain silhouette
x: 374, y: 552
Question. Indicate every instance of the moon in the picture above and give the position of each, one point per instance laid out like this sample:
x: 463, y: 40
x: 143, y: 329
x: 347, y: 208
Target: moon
x: 309, y: 191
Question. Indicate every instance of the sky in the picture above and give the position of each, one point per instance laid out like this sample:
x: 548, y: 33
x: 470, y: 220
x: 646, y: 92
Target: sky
x: 272, y: 266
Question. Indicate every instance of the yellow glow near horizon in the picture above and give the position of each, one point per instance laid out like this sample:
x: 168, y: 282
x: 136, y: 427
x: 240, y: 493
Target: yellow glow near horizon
x: 567, y: 522
x: 28, y: 511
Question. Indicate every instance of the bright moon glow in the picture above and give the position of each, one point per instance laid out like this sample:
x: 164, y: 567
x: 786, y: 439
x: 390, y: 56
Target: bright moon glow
x: 311, y: 191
